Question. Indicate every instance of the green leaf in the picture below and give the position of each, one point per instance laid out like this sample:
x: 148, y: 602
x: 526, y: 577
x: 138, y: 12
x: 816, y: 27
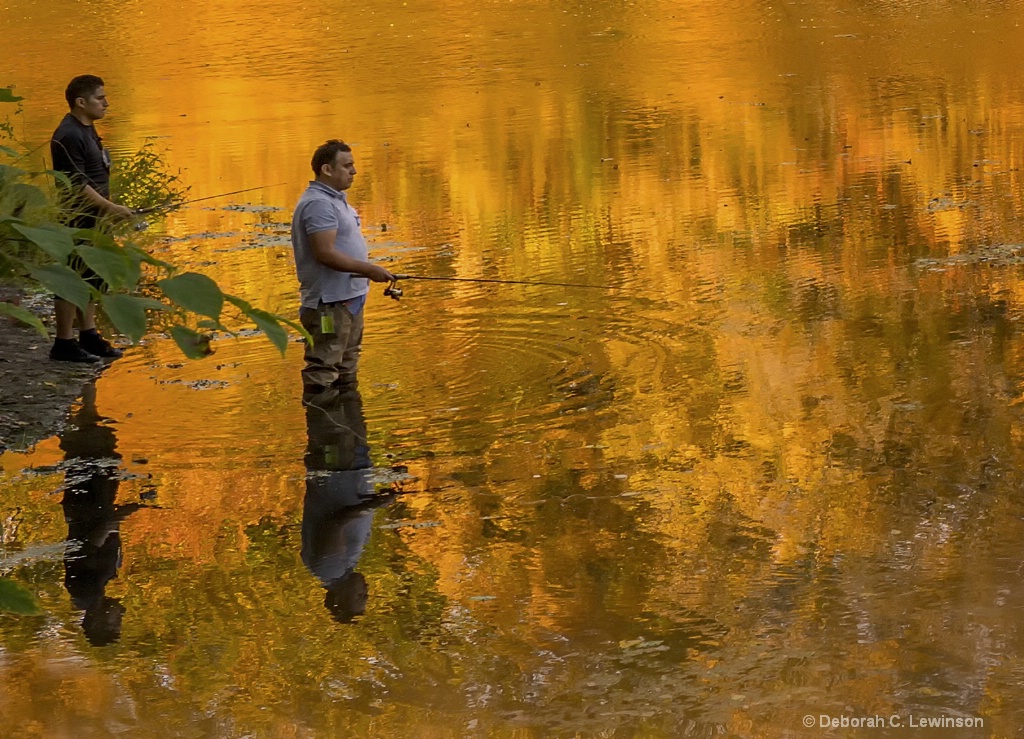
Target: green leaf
x: 194, y: 292
x: 298, y: 327
x: 21, y: 195
x: 270, y: 326
x: 112, y: 266
x: 95, y: 237
x: 62, y: 179
x: 8, y: 151
x: 64, y: 282
x: 14, y: 598
x: 55, y: 240
x: 157, y: 262
x: 10, y: 174
x: 193, y: 345
x: 242, y: 305
x: 150, y: 304
x: 7, y: 96
x: 133, y: 263
x: 27, y: 317
x: 128, y: 315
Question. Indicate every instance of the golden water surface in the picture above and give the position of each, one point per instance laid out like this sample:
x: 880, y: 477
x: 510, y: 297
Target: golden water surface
x: 768, y: 468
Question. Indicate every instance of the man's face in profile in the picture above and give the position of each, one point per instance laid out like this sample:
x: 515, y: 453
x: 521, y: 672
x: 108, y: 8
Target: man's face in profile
x: 340, y: 174
x: 94, y: 105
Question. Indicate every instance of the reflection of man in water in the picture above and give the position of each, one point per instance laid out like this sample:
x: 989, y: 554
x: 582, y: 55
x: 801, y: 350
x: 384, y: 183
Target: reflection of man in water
x: 340, y: 499
x: 94, y: 542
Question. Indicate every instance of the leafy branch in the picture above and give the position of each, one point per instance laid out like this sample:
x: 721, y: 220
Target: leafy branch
x: 35, y: 248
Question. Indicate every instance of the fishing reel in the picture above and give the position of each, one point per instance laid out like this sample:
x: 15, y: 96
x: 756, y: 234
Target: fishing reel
x: 393, y: 291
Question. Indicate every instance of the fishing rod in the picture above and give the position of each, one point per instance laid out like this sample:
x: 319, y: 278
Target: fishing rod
x: 154, y: 208
x: 394, y: 292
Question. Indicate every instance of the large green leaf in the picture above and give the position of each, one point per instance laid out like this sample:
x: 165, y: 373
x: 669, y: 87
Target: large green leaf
x: 95, y: 237
x: 149, y: 259
x: 7, y: 96
x: 128, y: 314
x: 19, y: 196
x: 63, y: 281
x: 16, y: 599
x: 194, y: 292
x: 134, y: 266
x: 134, y: 255
x: 9, y: 173
x: 268, y: 323
x: 242, y: 305
x: 112, y: 266
x: 270, y: 326
x: 298, y: 327
x: 194, y: 345
x: 55, y: 240
x: 27, y: 317
x: 150, y: 304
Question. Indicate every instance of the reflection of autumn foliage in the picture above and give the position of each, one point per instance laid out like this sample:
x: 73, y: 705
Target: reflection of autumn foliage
x: 780, y: 461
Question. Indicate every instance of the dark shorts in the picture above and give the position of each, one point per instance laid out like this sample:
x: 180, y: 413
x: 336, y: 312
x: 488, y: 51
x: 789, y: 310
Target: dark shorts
x: 78, y: 264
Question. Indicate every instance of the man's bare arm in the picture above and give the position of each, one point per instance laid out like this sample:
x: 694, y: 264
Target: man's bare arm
x: 74, y: 152
x: 107, y: 206
x: 322, y: 246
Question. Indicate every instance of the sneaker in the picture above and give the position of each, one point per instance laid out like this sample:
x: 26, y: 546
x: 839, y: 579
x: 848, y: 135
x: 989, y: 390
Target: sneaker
x: 96, y: 344
x: 70, y: 351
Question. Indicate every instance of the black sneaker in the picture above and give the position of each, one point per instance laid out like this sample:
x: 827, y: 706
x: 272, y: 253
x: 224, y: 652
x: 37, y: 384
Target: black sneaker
x: 70, y: 351
x: 96, y: 344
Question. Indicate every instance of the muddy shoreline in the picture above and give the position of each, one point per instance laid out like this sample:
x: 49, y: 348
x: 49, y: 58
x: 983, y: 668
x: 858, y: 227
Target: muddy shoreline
x: 35, y: 393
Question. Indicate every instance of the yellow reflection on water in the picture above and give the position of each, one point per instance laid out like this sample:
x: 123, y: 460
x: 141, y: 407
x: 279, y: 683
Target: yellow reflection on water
x: 766, y: 470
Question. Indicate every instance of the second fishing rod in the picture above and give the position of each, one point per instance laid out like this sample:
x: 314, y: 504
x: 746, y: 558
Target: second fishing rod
x: 171, y: 205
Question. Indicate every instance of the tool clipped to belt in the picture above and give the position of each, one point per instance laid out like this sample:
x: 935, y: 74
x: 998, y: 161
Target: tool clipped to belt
x: 326, y: 321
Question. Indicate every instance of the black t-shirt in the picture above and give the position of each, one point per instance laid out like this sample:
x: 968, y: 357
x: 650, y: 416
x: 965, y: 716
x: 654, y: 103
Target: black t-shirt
x: 77, y: 151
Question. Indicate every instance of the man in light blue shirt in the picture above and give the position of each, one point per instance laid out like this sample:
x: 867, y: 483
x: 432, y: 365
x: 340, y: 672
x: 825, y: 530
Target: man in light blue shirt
x: 334, y: 274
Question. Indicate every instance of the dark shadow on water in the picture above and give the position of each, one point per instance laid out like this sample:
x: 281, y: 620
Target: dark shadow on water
x: 93, y: 554
x: 341, y: 499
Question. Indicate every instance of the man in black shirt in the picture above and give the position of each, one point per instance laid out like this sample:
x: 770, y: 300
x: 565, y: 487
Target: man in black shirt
x: 78, y: 152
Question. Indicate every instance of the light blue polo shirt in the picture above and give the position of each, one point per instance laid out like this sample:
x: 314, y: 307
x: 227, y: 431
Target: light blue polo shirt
x: 322, y: 208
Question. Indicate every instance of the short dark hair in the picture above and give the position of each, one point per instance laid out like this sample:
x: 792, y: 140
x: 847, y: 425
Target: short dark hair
x: 82, y: 86
x: 326, y: 154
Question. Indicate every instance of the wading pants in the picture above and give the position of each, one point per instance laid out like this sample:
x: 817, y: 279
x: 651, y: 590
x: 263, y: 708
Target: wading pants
x: 334, y: 356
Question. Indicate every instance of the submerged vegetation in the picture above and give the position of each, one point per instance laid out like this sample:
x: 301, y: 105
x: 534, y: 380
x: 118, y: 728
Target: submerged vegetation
x: 35, y: 247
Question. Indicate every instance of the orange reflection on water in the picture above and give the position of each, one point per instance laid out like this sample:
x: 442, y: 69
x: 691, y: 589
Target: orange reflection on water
x: 769, y: 472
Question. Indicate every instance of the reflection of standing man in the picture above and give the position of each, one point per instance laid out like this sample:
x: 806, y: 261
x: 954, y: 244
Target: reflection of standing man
x: 331, y: 262
x: 93, y: 554
x: 77, y: 151
x: 337, y: 514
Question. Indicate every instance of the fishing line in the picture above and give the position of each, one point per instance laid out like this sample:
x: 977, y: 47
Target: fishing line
x: 395, y: 292
x: 143, y: 211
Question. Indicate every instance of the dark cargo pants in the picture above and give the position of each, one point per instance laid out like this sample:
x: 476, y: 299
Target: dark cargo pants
x: 333, y: 358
